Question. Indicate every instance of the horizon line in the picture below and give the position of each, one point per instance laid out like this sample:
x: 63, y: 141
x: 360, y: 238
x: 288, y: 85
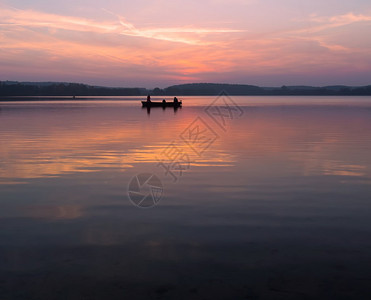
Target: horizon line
x: 190, y: 83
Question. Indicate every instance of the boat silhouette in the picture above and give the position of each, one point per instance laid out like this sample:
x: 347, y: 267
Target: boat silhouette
x: 161, y: 104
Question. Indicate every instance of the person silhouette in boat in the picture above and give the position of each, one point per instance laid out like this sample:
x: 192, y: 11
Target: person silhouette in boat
x: 148, y: 98
x: 175, y: 100
x: 164, y: 101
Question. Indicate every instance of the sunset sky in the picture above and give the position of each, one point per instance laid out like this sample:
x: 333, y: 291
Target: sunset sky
x: 149, y: 43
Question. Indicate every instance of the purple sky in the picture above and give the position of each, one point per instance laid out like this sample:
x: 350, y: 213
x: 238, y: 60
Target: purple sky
x: 150, y: 43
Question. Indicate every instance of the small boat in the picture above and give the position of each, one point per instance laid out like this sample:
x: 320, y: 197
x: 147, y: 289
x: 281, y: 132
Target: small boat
x: 161, y: 104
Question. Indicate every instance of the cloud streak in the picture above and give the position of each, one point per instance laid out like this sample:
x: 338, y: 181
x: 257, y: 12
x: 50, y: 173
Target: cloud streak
x: 324, y: 23
x: 35, y: 19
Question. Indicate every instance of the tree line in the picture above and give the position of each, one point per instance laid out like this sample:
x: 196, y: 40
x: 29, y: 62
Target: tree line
x: 195, y: 89
x: 64, y: 89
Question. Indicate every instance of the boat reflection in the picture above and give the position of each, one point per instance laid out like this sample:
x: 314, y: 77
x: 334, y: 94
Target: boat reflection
x: 148, y: 108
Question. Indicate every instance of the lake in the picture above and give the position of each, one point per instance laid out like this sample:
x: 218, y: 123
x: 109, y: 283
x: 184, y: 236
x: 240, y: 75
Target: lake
x: 228, y: 197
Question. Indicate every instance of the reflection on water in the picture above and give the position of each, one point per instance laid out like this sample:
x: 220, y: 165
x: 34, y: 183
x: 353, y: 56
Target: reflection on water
x: 277, y: 207
x: 86, y: 140
x: 148, y: 109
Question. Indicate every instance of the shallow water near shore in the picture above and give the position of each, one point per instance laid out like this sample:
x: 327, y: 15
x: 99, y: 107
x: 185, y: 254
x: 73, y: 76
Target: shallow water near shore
x: 271, y: 202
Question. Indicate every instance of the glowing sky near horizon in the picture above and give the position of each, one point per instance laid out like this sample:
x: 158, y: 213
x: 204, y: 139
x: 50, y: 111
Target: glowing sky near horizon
x: 149, y: 43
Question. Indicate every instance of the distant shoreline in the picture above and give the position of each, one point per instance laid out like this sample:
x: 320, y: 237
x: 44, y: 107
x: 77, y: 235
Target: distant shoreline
x: 60, y: 98
x: 136, y: 98
x: 66, y: 91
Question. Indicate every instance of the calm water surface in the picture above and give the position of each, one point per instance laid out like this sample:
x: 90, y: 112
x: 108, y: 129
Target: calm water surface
x: 273, y: 203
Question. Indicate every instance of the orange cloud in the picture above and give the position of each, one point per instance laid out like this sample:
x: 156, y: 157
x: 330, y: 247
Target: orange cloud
x: 66, y: 46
